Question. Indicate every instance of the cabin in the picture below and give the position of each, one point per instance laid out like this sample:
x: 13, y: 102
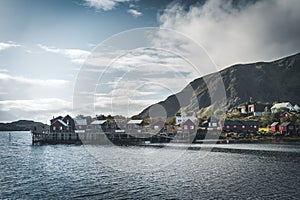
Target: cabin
x: 184, y: 117
x: 257, y: 109
x: 80, y: 124
x: 284, y: 105
x: 135, y: 125
x: 62, y: 124
x: 240, y: 126
x: 189, y: 127
x: 274, y: 126
x: 243, y: 109
x: 159, y: 126
x: 287, y: 128
x: 286, y: 114
x: 98, y: 125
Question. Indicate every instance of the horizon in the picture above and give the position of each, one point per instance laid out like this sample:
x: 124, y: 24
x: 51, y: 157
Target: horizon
x: 41, y: 57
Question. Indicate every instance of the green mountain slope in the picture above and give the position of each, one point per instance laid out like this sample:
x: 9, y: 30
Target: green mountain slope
x: 263, y: 81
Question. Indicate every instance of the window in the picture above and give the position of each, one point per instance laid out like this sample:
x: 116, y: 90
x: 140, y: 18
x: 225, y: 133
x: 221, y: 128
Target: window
x: 54, y: 128
x: 234, y: 126
x: 191, y: 127
x: 185, y: 127
x: 227, y: 126
x: 254, y: 126
x: 243, y: 126
x: 61, y: 128
x: 156, y: 127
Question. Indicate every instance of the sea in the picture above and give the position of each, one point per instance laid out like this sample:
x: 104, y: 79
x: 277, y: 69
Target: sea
x: 175, y: 171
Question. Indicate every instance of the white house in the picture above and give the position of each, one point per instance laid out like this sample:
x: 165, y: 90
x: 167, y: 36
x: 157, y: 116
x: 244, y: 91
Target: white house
x: 286, y: 105
x: 184, y: 117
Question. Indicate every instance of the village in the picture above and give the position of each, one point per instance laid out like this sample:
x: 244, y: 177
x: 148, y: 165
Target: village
x: 246, y: 122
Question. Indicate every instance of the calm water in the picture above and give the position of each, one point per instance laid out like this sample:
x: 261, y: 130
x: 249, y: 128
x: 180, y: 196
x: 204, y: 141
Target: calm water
x: 269, y: 171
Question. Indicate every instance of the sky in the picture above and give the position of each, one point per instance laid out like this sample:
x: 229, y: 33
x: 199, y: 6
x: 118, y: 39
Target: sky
x: 56, y: 55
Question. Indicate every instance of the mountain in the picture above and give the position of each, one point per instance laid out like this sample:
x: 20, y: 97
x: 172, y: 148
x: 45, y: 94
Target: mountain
x: 262, y: 82
x: 21, y: 125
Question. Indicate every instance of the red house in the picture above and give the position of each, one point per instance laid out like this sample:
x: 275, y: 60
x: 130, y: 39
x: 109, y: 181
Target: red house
x: 159, y: 126
x: 189, y: 127
x: 240, y: 126
x: 62, y: 124
x: 286, y: 128
x: 275, y: 126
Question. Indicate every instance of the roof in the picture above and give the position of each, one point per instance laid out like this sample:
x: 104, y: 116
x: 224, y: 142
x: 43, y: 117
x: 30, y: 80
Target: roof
x: 80, y: 122
x: 249, y: 123
x: 274, y: 123
x: 98, y: 122
x: 232, y: 123
x: 281, y: 105
x: 62, y: 122
x: 188, y: 122
x: 135, y: 121
x: 285, y: 124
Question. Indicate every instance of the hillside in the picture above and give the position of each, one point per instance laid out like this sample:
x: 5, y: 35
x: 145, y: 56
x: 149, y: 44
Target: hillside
x: 263, y: 81
x: 21, y: 125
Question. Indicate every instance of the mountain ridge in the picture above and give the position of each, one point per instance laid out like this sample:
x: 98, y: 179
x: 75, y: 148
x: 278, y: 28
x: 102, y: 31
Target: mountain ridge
x: 277, y: 80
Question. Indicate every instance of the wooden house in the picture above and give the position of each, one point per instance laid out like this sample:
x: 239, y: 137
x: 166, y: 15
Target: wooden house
x: 189, y: 127
x: 159, y: 126
x: 274, y: 126
x: 62, y: 124
x: 287, y: 128
x: 135, y: 125
x: 240, y: 126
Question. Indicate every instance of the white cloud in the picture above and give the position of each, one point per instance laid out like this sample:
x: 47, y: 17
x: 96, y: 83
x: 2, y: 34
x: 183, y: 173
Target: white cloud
x: 134, y: 12
x: 42, y: 104
x: 238, y: 32
x: 6, y: 45
x: 104, y: 4
x: 39, y: 109
x: 77, y: 56
x: 33, y: 82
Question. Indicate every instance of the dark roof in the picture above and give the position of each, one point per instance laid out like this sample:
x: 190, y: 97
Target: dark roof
x: 249, y: 123
x: 285, y: 124
x: 274, y: 123
x: 240, y: 123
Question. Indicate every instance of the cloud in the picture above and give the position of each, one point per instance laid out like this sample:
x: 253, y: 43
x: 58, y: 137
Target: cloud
x: 6, y: 45
x: 41, y: 104
x: 39, y: 109
x: 77, y: 56
x: 134, y: 13
x: 104, y: 4
x: 238, y: 32
x: 32, y: 82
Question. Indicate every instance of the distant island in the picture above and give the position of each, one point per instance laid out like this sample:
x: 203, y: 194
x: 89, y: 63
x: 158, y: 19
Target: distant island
x: 20, y: 125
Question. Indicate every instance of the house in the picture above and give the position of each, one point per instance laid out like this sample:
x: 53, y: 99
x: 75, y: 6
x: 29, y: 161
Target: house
x: 274, y: 126
x: 243, y: 109
x: 62, y: 124
x: 189, y: 127
x: 80, y: 124
x: 240, y: 126
x: 135, y: 125
x: 286, y: 114
x: 98, y: 125
x: 184, y: 117
x: 286, y: 128
x: 159, y: 126
x: 257, y: 109
x: 286, y: 105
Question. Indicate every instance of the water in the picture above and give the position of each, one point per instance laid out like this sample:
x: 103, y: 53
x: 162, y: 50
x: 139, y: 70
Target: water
x: 269, y: 171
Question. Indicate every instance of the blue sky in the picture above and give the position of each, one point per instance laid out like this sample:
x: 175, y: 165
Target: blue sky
x: 44, y: 44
